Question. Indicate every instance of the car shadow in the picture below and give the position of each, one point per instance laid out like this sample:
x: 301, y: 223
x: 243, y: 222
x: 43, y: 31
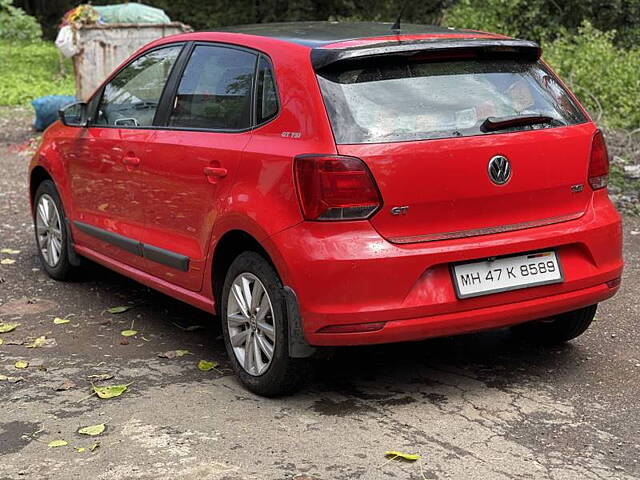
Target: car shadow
x: 497, y: 358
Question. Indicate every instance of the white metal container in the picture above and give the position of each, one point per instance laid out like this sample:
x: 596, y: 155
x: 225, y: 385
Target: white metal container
x: 101, y: 48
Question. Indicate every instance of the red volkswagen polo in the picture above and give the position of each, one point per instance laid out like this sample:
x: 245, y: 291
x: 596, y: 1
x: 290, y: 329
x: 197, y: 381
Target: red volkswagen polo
x: 329, y: 184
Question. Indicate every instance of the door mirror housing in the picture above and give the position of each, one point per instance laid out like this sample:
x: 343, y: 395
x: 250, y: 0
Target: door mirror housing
x: 74, y: 115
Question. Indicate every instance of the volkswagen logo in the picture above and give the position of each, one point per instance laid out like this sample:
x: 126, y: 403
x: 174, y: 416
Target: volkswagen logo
x: 499, y: 170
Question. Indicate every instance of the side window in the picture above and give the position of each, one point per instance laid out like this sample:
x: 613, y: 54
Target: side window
x: 267, y: 97
x: 131, y: 98
x: 215, y: 90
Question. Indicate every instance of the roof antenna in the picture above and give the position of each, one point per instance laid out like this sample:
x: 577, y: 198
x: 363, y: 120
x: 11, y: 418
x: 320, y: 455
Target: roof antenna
x: 396, y: 26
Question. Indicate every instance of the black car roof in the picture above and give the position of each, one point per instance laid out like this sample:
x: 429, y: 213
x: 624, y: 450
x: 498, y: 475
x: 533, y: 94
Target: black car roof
x: 318, y: 34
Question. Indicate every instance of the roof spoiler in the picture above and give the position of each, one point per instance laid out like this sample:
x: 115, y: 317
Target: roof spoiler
x: 522, y: 49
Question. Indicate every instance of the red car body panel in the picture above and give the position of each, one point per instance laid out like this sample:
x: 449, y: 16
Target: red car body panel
x: 386, y: 269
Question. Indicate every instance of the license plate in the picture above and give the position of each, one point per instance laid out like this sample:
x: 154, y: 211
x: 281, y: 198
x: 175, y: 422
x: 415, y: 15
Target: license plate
x: 506, y: 273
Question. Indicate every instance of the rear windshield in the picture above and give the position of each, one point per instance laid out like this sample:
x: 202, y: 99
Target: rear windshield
x: 401, y: 100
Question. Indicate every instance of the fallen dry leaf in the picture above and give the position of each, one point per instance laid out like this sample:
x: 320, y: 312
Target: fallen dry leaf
x: 404, y: 456
x: 9, y: 251
x: 7, y: 261
x: 92, y: 430
x: 58, y: 443
x: 128, y: 333
x: 100, y: 377
x: 205, y: 365
x: 110, y: 391
x: 21, y: 364
x: 121, y: 309
x: 8, y: 327
x: 60, y: 321
x: 174, y: 353
x: 66, y: 385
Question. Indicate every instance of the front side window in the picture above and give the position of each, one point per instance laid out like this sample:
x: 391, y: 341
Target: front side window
x: 399, y: 99
x: 215, y: 90
x: 131, y: 98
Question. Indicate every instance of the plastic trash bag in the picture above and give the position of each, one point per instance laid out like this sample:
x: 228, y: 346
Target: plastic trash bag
x: 47, y: 109
x: 65, y: 42
x: 131, y: 13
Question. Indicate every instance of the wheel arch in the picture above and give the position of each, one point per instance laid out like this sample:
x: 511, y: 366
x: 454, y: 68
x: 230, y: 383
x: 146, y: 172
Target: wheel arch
x: 231, y: 244
x: 38, y: 175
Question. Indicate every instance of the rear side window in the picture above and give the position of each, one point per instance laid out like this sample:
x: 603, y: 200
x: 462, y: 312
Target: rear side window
x: 215, y: 90
x: 398, y: 99
x: 267, y: 96
x: 131, y: 98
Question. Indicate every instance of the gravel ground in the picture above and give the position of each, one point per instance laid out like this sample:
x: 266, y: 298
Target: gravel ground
x: 475, y: 406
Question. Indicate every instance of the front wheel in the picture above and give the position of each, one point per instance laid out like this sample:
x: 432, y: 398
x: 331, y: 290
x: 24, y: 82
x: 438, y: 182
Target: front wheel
x: 51, y: 233
x: 558, y: 329
x: 255, y: 327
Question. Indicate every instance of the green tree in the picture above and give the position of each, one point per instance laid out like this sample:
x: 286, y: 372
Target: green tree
x: 15, y: 24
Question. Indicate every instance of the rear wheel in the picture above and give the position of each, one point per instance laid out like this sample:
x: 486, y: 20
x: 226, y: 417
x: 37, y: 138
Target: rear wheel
x: 51, y: 233
x: 558, y: 329
x: 255, y: 327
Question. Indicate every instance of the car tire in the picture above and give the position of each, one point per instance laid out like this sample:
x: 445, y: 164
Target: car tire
x: 52, y: 239
x: 253, y: 329
x: 558, y: 329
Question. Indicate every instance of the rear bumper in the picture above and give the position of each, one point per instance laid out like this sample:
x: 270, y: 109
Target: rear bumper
x: 346, y: 273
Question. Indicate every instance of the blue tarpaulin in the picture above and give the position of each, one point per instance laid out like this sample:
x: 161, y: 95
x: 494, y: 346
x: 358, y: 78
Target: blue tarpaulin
x: 47, y: 109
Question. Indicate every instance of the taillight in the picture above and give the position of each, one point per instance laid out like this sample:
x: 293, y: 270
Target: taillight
x: 334, y: 187
x: 599, y: 162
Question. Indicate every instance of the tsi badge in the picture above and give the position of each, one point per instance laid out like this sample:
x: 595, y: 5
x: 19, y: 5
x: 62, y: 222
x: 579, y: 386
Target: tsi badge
x: 399, y: 210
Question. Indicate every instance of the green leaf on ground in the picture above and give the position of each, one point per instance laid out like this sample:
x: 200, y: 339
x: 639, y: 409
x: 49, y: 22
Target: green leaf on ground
x: 10, y: 251
x: 60, y: 321
x: 8, y: 327
x: 58, y: 443
x: 21, y: 364
x: 38, y: 342
x: 110, y: 391
x: 7, y: 261
x: 405, y: 456
x: 128, y: 333
x: 92, y: 430
x: 121, y: 309
x: 174, y: 353
x: 205, y: 366
x: 80, y: 450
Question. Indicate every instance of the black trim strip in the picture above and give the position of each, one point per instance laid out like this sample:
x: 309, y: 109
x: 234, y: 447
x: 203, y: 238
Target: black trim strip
x: 125, y: 243
x: 166, y: 257
x: 155, y: 254
x: 322, y: 57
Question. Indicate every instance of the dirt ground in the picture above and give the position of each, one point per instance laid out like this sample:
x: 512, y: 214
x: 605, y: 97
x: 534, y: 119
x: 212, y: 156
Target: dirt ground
x: 479, y: 406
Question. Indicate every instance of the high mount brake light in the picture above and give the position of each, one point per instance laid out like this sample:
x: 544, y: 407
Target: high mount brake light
x: 335, y: 187
x: 598, y: 162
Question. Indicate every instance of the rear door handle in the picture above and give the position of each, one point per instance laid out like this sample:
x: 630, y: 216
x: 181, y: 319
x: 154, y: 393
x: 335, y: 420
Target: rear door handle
x: 215, y: 172
x: 131, y: 161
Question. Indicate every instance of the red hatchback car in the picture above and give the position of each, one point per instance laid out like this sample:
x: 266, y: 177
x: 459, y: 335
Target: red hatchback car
x: 329, y: 184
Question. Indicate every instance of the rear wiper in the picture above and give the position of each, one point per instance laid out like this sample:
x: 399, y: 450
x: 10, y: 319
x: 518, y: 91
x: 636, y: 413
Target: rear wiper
x: 501, y: 123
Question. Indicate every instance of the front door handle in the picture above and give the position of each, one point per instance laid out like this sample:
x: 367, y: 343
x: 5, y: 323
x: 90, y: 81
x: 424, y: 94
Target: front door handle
x: 213, y: 173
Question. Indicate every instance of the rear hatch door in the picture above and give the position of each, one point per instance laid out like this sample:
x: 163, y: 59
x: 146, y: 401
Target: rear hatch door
x: 428, y: 126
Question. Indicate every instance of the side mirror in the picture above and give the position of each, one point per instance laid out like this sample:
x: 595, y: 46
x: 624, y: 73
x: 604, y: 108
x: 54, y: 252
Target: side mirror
x: 74, y: 115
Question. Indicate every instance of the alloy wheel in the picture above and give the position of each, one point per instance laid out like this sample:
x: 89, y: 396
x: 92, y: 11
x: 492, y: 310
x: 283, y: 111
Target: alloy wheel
x: 251, y: 324
x: 49, y: 230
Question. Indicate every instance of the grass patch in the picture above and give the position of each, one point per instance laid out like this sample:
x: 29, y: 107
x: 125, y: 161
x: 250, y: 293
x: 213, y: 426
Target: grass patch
x: 31, y: 70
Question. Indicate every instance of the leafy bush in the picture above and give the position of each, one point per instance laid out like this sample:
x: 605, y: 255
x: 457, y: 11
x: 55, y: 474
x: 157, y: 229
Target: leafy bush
x: 545, y: 20
x: 605, y: 78
x: 31, y: 70
x: 17, y: 25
